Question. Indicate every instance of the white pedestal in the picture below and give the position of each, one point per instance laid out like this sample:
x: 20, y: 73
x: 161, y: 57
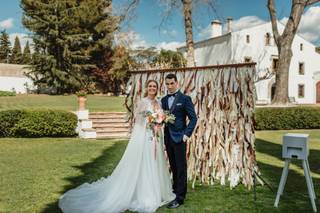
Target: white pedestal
x: 296, y: 146
x: 84, y: 127
x: 89, y: 134
x: 83, y: 114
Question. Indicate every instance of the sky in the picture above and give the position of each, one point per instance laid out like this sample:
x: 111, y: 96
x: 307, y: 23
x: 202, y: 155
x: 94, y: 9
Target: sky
x: 148, y: 27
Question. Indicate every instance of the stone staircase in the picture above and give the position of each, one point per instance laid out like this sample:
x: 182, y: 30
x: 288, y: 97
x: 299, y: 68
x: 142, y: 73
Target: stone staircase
x: 110, y: 124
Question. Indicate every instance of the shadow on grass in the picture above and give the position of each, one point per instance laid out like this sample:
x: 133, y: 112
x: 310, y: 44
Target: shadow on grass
x: 275, y: 150
x: 102, y: 166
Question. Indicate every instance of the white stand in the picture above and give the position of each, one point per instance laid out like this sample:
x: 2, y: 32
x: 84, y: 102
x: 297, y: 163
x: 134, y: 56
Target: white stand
x: 296, y: 146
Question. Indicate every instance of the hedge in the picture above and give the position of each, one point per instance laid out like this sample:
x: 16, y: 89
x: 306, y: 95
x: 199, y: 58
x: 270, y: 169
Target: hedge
x: 7, y: 93
x: 275, y: 118
x: 8, y: 119
x: 37, y: 123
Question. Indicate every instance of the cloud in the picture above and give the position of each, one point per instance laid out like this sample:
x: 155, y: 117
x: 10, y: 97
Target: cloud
x: 205, y: 32
x: 134, y: 40
x: 173, y: 45
x: 6, y: 24
x: 242, y: 23
x: 171, y: 33
x: 309, y: 26
x: 245, y: 22
x: 22, y: 37
x: 130, y: 40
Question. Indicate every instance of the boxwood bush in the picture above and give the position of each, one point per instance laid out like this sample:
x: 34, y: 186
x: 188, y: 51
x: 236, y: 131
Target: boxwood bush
x: 7, y: 93
x: 37, y: 123
x: 273, y: 118
x: 8, y: 119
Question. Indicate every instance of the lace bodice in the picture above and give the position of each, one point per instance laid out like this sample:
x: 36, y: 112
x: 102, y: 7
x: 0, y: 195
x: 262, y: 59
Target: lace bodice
x: 144, y: 105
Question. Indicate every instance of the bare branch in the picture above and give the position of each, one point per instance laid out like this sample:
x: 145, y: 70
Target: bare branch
x: 268, y: 74
x: 273, y: 16
x: 127, y: 11
x: 310, y: 2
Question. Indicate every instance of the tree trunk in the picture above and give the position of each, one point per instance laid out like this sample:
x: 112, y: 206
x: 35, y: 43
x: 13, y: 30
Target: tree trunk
x: 281, y: 96
x: 187, y: 12
x: 284, y: 43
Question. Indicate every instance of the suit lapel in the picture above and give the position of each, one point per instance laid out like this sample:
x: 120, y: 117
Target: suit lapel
x: 175, y: 101
x: 166, y: 103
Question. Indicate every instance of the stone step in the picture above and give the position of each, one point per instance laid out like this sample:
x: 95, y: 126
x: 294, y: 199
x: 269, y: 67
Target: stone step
x: 108, y: 113
x: 108, y: 124
x: 108, y: 120
x: 113, y: 135
x: 112, y: 129
x: 101, y: 116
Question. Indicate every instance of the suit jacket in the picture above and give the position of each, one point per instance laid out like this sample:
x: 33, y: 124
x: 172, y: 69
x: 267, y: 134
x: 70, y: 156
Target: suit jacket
x: 181, y: 108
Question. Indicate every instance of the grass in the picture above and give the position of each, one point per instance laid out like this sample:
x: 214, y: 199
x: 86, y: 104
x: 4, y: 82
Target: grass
x: 63, y: 102
x: 35, y: 172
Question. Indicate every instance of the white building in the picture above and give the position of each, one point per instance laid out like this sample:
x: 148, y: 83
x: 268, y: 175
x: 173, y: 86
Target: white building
x: 257, y: 44
x: 12, y: 78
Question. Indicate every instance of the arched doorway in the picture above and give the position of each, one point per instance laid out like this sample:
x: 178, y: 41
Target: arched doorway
x: 318, y: 91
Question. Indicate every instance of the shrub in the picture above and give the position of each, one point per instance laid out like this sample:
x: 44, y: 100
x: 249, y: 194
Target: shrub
x: 41, y: 123
x: 8, y: 119
x: 301, y: 117
x: 7, y: 93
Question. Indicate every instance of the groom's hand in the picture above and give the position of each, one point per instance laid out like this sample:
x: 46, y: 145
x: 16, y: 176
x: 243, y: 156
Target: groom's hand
x: 185, y: 138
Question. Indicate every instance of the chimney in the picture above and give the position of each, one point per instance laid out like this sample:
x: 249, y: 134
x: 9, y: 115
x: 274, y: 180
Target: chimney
x: 229, y: 24
x: 216, y: 28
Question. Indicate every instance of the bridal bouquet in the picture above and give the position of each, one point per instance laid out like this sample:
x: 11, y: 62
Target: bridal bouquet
x: 156, y: 119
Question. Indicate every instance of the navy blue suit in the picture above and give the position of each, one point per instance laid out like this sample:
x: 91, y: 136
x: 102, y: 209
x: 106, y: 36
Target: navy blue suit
x: 182, y: 108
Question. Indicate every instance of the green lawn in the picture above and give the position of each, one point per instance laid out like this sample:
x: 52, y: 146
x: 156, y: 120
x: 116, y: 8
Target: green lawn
x: 35, y: 172
x: 67, y: 102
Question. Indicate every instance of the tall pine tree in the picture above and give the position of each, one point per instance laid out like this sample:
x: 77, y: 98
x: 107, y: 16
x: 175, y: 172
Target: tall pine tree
x: 5, y: 47
x: 99, y: 23
x: 26, y: 57
x: 16, y: 55
x: 67, y: 34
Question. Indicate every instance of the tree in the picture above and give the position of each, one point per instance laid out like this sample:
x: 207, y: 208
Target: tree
x: 187, y: 14
x: 16, y: 55
x: 318, y: 50
x: 71, y: 38
x: 188, y: 6
x: 99, y: 22
x: 170, y: 59
x: 5, y: 47
x: 142, y: 58
x: 26, y: 57
x: 284, y: 43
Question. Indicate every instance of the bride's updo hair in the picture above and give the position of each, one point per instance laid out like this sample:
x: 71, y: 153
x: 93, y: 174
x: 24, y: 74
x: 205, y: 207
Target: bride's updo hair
x: 146, y: 88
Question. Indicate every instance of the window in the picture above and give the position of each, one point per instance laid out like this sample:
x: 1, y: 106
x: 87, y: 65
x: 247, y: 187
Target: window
x: 301, y: 47
x: 301, y: 90
x: 247, y: 59
x: 275, y: 62
x: 268, y: 39
x: 301, y: 68
x: 248, y: 39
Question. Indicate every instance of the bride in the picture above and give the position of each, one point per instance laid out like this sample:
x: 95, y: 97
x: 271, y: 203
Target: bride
x: 141, y: 180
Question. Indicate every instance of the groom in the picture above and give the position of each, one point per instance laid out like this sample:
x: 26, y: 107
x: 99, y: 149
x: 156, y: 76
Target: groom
x: 176, y: 136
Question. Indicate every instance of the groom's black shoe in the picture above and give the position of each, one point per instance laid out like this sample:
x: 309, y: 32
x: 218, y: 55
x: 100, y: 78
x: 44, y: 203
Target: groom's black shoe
x: 174, y: 204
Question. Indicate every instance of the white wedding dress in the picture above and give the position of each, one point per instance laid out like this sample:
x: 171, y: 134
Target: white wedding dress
x: 140, y: 182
